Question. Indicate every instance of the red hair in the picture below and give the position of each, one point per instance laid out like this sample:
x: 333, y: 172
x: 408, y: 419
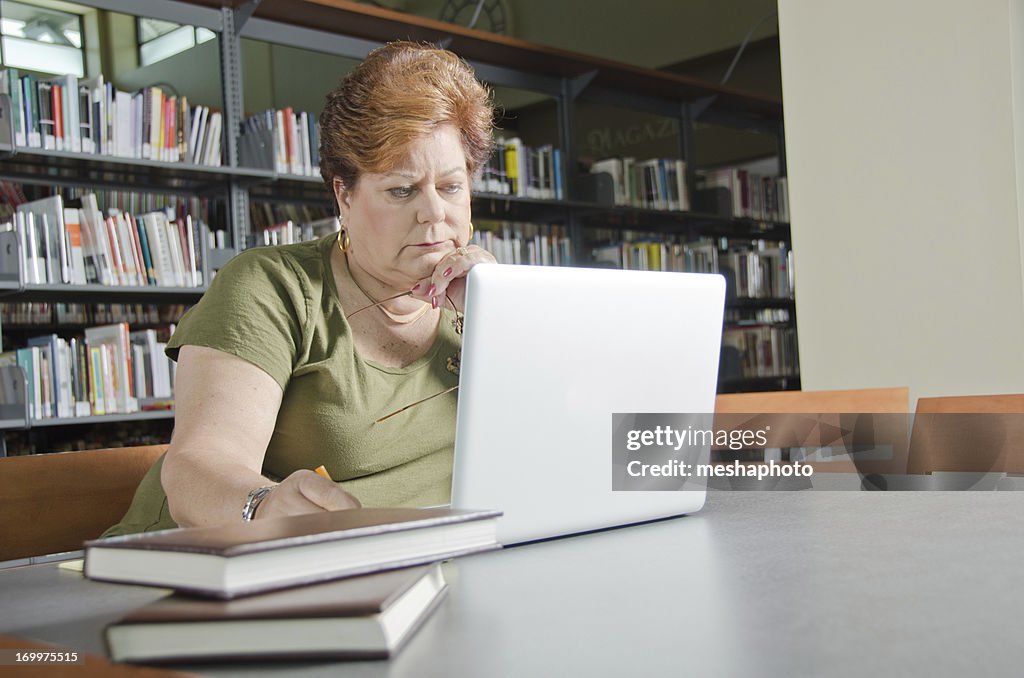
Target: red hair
x: 400, y: 92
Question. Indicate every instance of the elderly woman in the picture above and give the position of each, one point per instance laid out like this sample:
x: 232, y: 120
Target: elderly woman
x: 295, y: 352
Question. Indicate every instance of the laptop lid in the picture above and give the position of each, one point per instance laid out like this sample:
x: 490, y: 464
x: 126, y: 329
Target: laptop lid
x: 549, y: 355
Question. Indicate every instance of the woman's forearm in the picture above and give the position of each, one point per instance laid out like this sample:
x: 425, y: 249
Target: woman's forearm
x: 205, y: 491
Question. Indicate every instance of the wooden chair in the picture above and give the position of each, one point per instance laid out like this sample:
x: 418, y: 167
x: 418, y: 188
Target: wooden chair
x: 755, y: 411
x: 891, y: 400
x: 968, y: 434
x: 51, y: 503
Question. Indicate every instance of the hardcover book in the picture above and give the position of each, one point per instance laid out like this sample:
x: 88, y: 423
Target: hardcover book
x: 244, y: 558
x: 358, y: 618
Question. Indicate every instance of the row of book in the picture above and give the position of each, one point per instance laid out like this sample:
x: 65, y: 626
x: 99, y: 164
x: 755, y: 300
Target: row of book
x: 761, y: 273
x: 91, y: 116
x: 752, y: 195
x: 758, y: 316
x: 33, y: 314
x: 757, y: 269
x: 265, y: 214
x: 658, y: 183
x: 205, y: 209
x: 764, y: 350
x: 79, y: 245
x: 109, y: 370
x: 525, y: 243
x: 523, y: 171
x: 656, y: 255
x: 202, y: 209
x: 284, y: 139
x: 290, y: 232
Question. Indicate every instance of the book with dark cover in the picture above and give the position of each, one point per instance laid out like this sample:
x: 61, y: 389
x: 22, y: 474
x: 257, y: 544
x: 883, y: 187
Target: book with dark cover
x: 367, y: 617
x: 252, y: 557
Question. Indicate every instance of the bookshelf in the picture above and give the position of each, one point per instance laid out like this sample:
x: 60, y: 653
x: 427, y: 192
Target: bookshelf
x: 350, y: 30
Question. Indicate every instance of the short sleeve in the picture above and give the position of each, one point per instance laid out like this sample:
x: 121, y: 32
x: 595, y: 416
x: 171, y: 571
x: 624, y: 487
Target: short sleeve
x: 256, y: 309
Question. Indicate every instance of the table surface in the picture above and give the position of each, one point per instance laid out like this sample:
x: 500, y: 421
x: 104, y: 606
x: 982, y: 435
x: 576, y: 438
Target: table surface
x: 757, y: 583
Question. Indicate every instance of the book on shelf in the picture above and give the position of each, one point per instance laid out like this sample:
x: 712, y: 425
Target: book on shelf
x: 649, y: 253
x: 516, y: 169
x: 761, y: 270
x: 366, y: 617
x: 32, y: 314
x: 90, y: 116
x: 308, y: 221
x: 525, y: 242
x: 28, y: 360
x: 285, y: 140
x: 63, y: 244
x: 153, y: 371
x: 764, y: 350
x: 757, y: 316
x: 109, y: 371
x: 41, y: 232
x: 754, y: 269
x: 752, y: 195
x: 290, y: 232
x: 55, y: 365
x: 658, y: 183
x: 108, y: 347
x: 252, y: 557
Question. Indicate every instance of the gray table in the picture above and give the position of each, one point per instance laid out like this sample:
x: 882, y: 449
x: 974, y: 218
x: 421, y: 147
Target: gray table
x: 775, y: 584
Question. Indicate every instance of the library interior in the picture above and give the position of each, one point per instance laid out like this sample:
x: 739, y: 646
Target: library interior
x: 852, y: 172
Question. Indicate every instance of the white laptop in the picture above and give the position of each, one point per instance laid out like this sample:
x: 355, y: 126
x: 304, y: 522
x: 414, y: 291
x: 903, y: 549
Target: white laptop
x: 549, y: 354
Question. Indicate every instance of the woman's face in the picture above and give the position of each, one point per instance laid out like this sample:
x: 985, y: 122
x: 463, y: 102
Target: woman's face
x: 403, y: 222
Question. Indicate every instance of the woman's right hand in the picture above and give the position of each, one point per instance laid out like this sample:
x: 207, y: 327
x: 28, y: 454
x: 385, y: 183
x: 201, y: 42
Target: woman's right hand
x: 305, y: 492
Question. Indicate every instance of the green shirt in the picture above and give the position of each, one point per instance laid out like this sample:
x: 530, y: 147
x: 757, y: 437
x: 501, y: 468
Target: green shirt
x: 278, y: 309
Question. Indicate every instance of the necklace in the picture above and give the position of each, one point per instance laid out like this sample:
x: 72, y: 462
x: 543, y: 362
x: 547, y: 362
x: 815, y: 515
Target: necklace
x: 398, y: 319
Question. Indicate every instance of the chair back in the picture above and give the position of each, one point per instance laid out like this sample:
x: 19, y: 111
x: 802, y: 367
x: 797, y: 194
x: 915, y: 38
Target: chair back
x: 978, y: 434
x: 827, y: 420
x: 51, y: 503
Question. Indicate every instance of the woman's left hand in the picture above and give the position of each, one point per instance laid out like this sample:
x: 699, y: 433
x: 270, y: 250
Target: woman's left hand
x: 449, y: 277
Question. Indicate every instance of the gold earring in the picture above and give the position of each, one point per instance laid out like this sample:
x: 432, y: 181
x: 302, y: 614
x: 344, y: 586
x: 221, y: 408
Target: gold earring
x: 343, y: 240
x: 471, y: 230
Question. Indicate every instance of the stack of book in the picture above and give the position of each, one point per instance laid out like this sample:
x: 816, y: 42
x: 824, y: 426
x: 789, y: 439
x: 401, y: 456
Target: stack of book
x: 79, y: 245
x: 91, y: 116
x: 109, y: 370
x: 525, y: 243
x: 658, y: 183
x: 517, y: 169
x: 343, y: 584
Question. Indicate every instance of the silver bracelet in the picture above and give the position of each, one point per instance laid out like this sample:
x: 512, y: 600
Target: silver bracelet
x: 253, y: 501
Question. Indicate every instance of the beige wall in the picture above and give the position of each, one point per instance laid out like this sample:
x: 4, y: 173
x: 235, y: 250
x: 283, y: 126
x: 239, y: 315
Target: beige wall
x: 905, y: 141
